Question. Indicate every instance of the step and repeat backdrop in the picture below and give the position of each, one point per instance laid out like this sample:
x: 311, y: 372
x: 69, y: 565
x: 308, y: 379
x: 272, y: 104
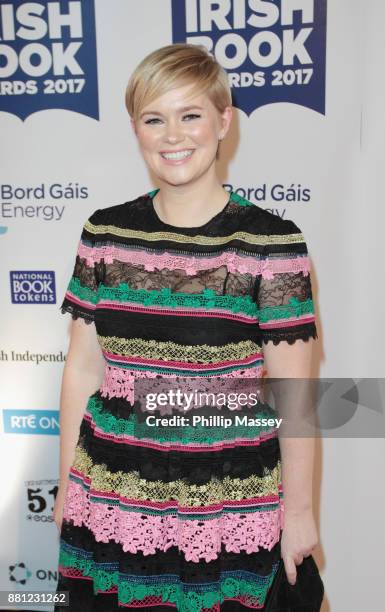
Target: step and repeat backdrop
x: 306, y: 143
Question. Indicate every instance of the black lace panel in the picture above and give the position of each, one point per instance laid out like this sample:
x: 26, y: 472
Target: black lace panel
x: 81, y: 294
x: 286, y: 307
x: 218, y: 279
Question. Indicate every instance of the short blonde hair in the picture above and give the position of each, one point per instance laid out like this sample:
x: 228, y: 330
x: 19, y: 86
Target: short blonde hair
x: 174, y: 66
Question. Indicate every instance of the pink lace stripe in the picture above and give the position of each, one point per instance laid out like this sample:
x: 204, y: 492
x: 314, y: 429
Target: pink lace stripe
x: 291, y: 322
x: 196, y: 539
x: 167, y: 446
x: 120, y: 382
x: 125, y: 373
x: 214, y: 313
x: 73, y: 298
x: 191, y: 264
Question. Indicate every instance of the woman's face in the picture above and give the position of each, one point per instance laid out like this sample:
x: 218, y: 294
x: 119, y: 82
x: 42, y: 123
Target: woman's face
x: 178, y: 136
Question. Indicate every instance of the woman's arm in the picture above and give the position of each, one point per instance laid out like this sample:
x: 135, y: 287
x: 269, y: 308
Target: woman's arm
x: 299, y: 535
x: 82, y: 375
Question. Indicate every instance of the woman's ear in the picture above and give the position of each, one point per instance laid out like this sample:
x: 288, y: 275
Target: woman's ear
x: 133, y: 124
x: 226, y: 121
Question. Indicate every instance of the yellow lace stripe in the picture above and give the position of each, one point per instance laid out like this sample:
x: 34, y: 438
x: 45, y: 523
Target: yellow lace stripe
x: 172, y: 351
x: 130, y: 485
x: 205, y: 240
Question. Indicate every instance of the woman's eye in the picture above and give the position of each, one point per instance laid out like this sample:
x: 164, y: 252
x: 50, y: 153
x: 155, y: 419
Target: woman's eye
x: 191, y: 115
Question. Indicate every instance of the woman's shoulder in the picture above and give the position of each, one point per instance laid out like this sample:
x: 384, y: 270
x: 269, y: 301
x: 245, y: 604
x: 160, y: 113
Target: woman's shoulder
x: 121, y: 214
x: 258, y: 220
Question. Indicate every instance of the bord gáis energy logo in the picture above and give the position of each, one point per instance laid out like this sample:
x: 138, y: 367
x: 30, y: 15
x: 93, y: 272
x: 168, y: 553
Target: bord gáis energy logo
x: 48, y: 57
x: 272, y: 50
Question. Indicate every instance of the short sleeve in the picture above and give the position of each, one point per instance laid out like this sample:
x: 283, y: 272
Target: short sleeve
x: 284, y: 297
x: 81, y: 295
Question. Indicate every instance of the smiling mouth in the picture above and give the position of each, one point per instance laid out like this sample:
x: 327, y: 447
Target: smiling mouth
x: 178, y: 154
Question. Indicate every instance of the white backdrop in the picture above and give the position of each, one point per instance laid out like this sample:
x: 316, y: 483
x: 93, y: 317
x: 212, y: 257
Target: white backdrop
x: 338, y: 156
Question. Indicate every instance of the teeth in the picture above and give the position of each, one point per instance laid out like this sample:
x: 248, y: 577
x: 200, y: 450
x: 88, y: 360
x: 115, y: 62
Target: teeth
x: 179, y: 155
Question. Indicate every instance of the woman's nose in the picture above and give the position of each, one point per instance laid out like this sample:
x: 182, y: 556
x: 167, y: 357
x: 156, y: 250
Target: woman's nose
x: 174, y: 132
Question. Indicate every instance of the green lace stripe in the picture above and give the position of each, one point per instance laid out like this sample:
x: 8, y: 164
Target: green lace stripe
x: 187, y: 597
x: 108, y: 423
x: 165, y: 297
x: 207, y: 299
x: 83, y: 292
x: 294, y: 308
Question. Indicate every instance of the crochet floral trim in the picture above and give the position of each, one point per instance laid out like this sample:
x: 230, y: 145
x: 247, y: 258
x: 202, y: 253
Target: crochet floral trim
x: 76, y: 313
x: 166, y: 297
x: 208, y: 299
x: 197, y: 539
x: 294, y: 308
x: 234, y: 585
x: 192, y: 264
x: 120, y: 382
x: 290, y: 336
x: 173, y: 351
x: 247, y: 237
x: 82, y: 292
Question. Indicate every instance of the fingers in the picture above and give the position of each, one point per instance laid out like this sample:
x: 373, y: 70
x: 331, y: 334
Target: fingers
x: 290, y: 564
x: 290, y: 570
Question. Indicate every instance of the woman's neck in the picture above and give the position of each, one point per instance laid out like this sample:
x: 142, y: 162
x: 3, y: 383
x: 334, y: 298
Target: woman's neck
x: 189, y: 204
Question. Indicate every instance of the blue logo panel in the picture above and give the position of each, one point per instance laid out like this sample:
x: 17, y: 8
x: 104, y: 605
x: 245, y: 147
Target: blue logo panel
x: 43, y: 422
x: 48, y: 57
x: 272, y: 50
x: 32, y: 287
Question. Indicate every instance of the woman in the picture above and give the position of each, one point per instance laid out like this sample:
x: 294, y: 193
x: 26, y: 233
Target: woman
x: 184, y: 283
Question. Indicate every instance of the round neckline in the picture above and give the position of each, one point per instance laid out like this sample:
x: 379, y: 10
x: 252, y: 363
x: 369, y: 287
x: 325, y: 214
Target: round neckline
x: 159, y: 221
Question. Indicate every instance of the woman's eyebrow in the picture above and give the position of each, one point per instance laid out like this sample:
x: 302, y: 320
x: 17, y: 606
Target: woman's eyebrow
x: 182, y: 110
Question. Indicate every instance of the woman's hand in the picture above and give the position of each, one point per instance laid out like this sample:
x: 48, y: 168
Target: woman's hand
x: 299, y: 538
x: 58, y: 507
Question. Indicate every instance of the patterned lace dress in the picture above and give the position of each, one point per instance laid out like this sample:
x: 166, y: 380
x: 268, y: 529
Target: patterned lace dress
x: 189, y: 517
